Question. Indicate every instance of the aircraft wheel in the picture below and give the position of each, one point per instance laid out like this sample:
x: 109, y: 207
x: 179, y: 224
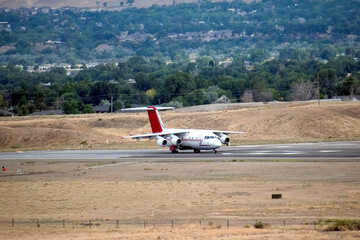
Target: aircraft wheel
x: 175, y: 151
x: 196, y: 150
x: 214, y: 151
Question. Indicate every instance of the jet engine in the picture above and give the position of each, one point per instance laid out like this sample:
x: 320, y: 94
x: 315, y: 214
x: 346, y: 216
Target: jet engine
x: 224, y: 139
x: 161, y: 141
x: 175, y: 140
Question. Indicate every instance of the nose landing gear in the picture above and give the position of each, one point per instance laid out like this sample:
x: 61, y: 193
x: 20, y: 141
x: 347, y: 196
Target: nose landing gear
x: 174, y: 149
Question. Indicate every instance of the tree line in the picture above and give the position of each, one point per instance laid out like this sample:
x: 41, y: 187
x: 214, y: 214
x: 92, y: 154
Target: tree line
x: 143, y: 81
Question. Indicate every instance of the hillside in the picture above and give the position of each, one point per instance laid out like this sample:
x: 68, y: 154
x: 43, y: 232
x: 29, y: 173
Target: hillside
x: 266, y: 123
x: 88, y: 3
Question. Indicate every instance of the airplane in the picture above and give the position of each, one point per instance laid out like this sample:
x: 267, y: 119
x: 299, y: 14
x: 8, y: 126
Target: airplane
x: 181, y: 139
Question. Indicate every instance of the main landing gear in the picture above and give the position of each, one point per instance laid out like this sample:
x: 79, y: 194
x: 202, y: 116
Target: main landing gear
x: 174, y: 149
x: 198, y: 150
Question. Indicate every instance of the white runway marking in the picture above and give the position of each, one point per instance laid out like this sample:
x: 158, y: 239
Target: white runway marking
x: 276, y: 153
x: 330, y: 151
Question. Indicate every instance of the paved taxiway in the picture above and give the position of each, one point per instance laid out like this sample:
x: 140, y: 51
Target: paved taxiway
x: 334, y: 151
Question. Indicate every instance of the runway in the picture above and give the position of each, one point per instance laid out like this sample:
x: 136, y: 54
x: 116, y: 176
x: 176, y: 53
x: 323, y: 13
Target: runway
x: 332, y: 151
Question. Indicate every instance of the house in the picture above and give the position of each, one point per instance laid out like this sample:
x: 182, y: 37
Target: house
x: 101, y: 109
x: 223, y: 99
x: 131, y: 81
x: 5, y: 113
x: 48, y: 112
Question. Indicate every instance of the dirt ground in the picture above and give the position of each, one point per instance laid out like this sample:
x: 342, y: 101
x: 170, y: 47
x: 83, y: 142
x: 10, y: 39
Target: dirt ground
x: 172, y: 197
x: 183, y: 192
x: 263, y: 123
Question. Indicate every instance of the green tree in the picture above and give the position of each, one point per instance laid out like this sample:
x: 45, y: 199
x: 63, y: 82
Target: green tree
x: 3, y: 102
x: 88, y: 109
x: 177, y: 85
x: 349, y: 86
x: 130, y: 2
x: 327, y: 79
x: 259, y: 55
x: 70, y: 106
x: 22, y: 110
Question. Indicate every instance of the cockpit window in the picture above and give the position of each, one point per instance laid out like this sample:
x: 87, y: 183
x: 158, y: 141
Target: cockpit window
x: 210, y: 137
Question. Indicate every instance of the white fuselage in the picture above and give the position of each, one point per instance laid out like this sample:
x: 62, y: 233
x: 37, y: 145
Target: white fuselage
x: 196, y: 139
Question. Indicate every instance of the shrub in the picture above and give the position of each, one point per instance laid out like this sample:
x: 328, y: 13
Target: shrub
x: 344, y: 225
x: 260, y: 224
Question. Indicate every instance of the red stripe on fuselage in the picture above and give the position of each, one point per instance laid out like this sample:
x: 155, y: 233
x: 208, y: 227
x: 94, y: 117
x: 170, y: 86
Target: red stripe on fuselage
x: 154, y: 120
x: 196, y: 140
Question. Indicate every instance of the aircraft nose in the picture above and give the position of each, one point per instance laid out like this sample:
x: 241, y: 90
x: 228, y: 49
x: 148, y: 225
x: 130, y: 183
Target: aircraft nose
x: 217, y: 143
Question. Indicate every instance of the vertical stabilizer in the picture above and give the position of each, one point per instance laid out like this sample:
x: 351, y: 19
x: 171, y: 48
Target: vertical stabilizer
x: 156, y: 123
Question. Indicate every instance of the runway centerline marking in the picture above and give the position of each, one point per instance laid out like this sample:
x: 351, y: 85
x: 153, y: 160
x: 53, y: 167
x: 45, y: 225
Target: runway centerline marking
x: 330, y: 151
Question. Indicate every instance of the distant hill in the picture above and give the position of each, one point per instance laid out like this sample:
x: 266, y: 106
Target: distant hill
x: 91, y: 3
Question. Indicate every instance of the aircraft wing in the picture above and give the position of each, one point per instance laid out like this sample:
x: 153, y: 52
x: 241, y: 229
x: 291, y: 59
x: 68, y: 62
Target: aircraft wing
x: 162, y: 134
x: 225, y: 132
x: 154, y: 135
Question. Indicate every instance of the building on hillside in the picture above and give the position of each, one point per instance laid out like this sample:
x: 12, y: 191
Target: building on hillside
x: 5, y: 113
x: 48, y: 112
x: 223, y: 99
x: 101, y: 109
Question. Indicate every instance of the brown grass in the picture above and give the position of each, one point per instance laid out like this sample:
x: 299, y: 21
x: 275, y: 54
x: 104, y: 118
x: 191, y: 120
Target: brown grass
x: 186, y: 192
x: 190, y: 232
x: 272, y: 123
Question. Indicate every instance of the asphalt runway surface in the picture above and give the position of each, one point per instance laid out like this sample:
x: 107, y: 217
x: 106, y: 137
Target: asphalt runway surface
x: 331, y: 151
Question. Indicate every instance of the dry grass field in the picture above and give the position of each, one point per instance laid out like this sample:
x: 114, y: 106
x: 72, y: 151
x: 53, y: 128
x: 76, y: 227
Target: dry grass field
x: 264, y: 123
x: 134, y: 191
x: 183, y: 192
x: 89, y: 3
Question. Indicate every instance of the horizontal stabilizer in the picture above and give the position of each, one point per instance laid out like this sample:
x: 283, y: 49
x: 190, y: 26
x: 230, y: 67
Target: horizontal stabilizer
x: 226, y: 132
x: 147, y: 108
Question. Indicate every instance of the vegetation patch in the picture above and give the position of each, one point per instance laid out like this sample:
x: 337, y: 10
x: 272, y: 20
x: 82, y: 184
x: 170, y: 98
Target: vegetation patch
x: 239, y: 194
x: 260, y: 224
x: 16, y: 146
x: 343, y: 225
x: 208, y: 160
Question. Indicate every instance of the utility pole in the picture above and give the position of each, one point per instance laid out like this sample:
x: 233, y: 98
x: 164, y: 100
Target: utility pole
x: 112, y: 104
x: 318, y: 89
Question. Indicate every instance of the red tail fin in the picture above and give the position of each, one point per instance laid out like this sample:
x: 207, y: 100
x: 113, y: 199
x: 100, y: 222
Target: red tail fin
x: 155, y: 121
x: 157, y: 125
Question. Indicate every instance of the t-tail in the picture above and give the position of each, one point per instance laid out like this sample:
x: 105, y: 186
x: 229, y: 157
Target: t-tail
x: 157, y: 126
